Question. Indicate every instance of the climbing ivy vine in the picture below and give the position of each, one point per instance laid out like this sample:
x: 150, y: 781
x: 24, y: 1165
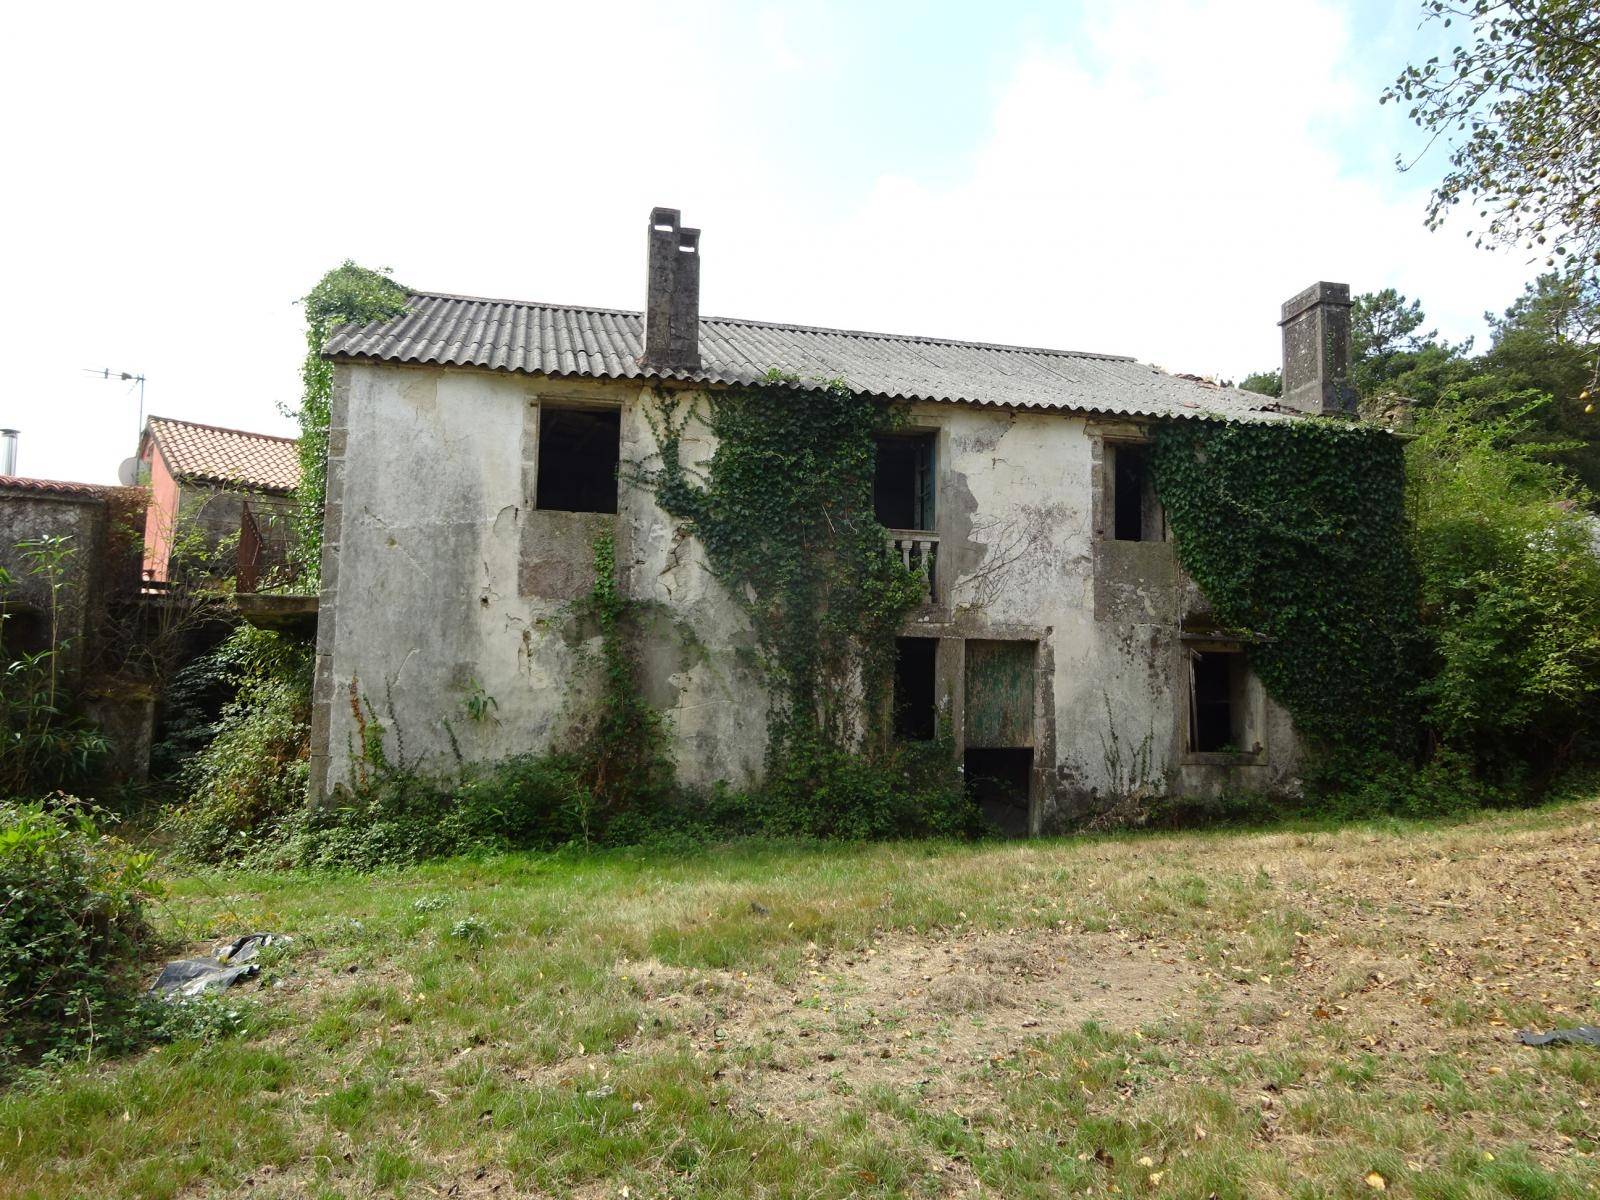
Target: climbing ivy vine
x: 784, y: 510
x: 622, y: 757
x: 348, y: 293
x: 1296, y: 534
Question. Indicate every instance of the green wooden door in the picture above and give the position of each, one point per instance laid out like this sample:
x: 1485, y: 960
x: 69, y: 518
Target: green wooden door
x: 999, y: 694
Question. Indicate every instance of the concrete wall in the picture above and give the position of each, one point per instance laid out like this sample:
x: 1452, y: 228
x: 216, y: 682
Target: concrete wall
x: 439, y: 576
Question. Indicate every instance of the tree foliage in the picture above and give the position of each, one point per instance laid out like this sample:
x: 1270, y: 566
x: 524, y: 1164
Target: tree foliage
x: 1517, y: 101
x: 1511, y: 591
x: 347, y: 294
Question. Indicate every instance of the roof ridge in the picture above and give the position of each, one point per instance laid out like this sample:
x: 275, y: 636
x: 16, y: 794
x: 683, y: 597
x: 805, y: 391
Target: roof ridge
x: 35, y: 483
x: 792, y: 327
x: 270, y: 437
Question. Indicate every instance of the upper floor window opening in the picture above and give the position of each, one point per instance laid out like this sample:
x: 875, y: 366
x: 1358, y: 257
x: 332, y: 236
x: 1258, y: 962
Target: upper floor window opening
x: 579, y: 449
x: 903, y: 487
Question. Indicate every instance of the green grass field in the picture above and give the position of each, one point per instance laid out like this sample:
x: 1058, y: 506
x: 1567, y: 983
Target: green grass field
x: 1306, y: 1013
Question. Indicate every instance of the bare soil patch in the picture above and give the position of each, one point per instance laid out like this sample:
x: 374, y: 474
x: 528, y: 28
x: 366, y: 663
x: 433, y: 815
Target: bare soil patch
x: 920, y: 1012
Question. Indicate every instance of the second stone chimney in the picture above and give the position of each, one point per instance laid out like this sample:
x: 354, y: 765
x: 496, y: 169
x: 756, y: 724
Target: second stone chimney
x: 1316, y: 350
x: 672, y: 301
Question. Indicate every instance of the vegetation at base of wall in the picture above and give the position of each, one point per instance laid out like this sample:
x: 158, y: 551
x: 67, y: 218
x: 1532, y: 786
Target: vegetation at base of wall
x: 248, y: 785
x: 45, y: 743
x: 623, y: 764
x: 72, y: 931
x: 347, y: 294
x: 1295, y: 533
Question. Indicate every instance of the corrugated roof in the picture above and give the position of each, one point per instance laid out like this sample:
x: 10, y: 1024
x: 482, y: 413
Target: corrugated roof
x: 236, y: 457
x: 551, y: 339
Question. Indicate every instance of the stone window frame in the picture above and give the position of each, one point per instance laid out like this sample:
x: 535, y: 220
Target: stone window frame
x: 537, y: 401
x: 1102, y: 480
x: 1255, y: 701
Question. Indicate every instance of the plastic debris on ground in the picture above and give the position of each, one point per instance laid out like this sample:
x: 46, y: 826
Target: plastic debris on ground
x: 232, y: 962
x: 1582, y: 1035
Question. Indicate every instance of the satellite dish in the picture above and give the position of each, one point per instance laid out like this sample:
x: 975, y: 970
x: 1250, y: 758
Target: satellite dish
x: 128, y: 472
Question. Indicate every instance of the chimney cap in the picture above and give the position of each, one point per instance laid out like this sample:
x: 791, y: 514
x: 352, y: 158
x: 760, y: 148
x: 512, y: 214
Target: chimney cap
x: 1321, y: 292
x: 666, y: 218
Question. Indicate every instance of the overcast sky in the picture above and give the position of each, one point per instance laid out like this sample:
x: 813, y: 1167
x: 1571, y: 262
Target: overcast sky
x: 1140, y: 178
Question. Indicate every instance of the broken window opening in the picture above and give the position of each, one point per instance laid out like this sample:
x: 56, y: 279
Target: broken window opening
x: 915, y: 705
x: 1136, y: 517
x: 1000, y: 782
x: 578, y: 453
x: 1218, y: 682
x: 903, y: 484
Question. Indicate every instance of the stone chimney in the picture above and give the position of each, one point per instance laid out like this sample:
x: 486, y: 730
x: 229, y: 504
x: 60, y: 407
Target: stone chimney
x: 1316, y: 350
x: 672, y: 303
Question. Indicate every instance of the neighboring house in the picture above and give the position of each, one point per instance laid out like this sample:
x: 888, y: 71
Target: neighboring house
x: 212, y: 489
x: 474, y: 449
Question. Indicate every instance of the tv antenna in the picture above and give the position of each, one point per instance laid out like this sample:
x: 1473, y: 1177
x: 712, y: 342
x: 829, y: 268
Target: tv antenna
x: 126, y: 377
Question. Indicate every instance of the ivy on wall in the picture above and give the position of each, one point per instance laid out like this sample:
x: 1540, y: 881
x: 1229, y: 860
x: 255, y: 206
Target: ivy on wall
x: 622, y: 755
x: 1295, y: 532
x: 784, y: 509
x: 347, y: 294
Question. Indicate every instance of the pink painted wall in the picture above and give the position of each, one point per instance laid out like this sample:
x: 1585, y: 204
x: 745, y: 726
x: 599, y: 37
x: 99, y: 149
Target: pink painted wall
x: 161, y: 517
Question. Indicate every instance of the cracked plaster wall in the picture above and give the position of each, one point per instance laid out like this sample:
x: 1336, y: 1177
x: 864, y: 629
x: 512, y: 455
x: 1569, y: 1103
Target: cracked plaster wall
x: 438, y: 574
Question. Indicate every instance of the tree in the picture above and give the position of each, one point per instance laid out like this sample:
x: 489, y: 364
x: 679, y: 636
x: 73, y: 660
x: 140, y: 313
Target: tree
x: 1518, y: 103
x: 1504, y: 548
x: 1267, y: 383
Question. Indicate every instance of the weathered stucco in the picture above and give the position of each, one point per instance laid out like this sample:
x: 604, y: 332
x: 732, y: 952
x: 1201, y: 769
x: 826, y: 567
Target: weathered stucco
x: 440, y: 577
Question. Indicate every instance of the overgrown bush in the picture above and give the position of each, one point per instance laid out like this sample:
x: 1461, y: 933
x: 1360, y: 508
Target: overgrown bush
x: 250, y: 780
x: 72, y: 929
x: 907, y: 790
x: 399, y: 815
x: 1506, y: 548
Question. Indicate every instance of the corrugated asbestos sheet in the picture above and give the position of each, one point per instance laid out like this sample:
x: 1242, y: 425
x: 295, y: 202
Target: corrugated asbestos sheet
x: 549, y: 339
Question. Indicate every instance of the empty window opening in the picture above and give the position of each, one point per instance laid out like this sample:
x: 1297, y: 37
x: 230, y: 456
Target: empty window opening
x: 914, y: 704
x: 903, y: 485
x: 1217, y: 702
x: 578, y: 452
x: 1135, y: 515
x: 999, y: 781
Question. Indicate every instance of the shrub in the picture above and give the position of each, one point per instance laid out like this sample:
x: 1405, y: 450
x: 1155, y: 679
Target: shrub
x: 72, y: 929
x: 399, y: 815
x: 908, y: 790
x: 250, y: 781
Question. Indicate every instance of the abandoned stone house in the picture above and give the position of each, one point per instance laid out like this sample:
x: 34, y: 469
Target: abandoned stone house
x: 1059, y: 637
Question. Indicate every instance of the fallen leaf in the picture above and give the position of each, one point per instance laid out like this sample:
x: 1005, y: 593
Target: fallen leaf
x: 1377, y: 1182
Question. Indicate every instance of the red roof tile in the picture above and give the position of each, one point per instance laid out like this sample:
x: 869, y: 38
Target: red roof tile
x: 54, y: 487
x: 211, y: 454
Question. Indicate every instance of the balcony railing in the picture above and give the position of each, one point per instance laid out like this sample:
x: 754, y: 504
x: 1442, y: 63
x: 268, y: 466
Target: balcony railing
x: 917, y: 550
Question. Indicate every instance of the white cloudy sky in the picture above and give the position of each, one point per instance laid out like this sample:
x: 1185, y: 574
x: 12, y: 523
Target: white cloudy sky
x: 1140, y: 178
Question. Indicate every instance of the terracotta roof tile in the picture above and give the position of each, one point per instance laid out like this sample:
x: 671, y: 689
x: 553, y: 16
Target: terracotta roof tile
x: 54, y: 487
x: 211, y: 454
